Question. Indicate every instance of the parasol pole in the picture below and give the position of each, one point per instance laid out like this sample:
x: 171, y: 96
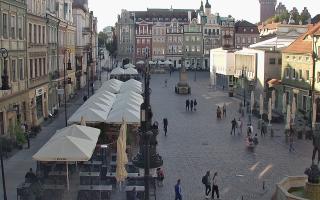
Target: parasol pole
x: 67, y: 176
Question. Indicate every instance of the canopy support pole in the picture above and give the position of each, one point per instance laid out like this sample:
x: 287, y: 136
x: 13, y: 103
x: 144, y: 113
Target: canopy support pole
x: 67, y: 176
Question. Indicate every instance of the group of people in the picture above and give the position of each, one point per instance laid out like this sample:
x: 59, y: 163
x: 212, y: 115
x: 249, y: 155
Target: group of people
x: 236, y: 124
x: 222, y: 113
x: 207, y: 180
x: 191, y: 105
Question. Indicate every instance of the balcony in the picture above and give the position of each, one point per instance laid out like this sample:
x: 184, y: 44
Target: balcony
x: 38, y: 81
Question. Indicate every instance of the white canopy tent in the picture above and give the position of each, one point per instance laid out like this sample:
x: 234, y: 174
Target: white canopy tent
x: 117, y: 71
x: 130, y: 65
x: 128, y: 88
x: 127, y: 105
x: 134, y: 82
x: 131, y: 71
x: 91, y: 115
x: 151, y: 62
x: 140, y: 62
x: 167, y: 62
x: 130, y: 96
x: 117, y: 116
x: 97, y: 106
x: 69, y: 145
x: 99, y: 99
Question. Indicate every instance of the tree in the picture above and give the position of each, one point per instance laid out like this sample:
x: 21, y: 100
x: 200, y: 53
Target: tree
x: 295, y: 16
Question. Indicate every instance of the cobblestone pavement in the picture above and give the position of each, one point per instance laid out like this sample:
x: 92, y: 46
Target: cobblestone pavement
x: 197, y: 142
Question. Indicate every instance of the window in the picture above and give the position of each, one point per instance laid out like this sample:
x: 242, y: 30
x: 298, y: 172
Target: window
x: 304, y: 103
x: 43, y: 35
x: 243, y: 40
x: 143, y: 41
x: 294, y: 74
x: 5, y: 25
x: 280, y: 61
x: 35, y: 34
x: 13, y: 27
x: 40, y: 67
x: 31, y: 68
x: 39, y: 34
x: 249, y: 40
x: 209, y: 31
x: 318, y: 77
x: 44, y: 66
x: 218, y: 31
x: 20, y: 19
x: 13, y: 70
x: 30, y: 33
x: 307, y: 75
x: 20, y: 68
x: 213, y: 31
x: 300, y: 74
x: 187, y: 38
x: 205, y: 31
x: 254, y: 40
x: 238, y: 39
x: 138, y: 41
x: 35, y: 68
x: 287, y: 72
x: 272, y: 61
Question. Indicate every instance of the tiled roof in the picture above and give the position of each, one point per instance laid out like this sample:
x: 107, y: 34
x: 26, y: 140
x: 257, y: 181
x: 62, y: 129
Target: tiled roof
x: 303, y: 44
x: 244, y: 27
x: 269, y: 26
x: 163, y: 14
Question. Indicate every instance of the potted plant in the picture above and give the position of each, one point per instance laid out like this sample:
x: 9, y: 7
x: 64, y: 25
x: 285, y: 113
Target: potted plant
x: 20, y: 135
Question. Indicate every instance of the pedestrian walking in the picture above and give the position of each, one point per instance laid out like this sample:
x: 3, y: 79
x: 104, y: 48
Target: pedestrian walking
x: 215, y: 188
x: 263, y: 129
x: 224, y: 110
x: 165, y: 82
x: 233, y: 126
x: 249, y: 130
x: 160, y: 176
x: 239, y: 125
x: 206, y: 180
x: 291, y: 137
x: 218, y: 112
x: 191, y: 105
x: 178, y: 190
x: 195, y: 103
x: 165, y: 126
x: 187, y: 104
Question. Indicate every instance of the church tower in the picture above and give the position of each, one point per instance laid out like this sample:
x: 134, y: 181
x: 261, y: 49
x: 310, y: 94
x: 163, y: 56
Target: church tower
x: 207, y: 9
x: 267, y: 9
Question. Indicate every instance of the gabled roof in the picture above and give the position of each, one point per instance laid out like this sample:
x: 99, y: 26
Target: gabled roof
x: 315, y: 19
x: 244, y: 27
x: 303, y: 44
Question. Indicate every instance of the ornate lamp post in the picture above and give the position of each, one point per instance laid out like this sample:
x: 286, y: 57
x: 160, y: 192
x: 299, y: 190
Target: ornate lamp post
x: 5, y: 86
x: 101, y: 57
x: 147, y: 157
x: 66, y: 51
x: 89, y: 62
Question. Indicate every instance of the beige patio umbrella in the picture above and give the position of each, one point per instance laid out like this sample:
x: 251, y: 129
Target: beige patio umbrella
x: 122, y: 159
x: 270, y: 110
x: 314, y: 114
x: 293, y: 109
x: 261, y: 105
x: 288, y: 117
x: 123, y: 135
x: 284, y: 102
x: 273, y: 96
x: 252, y: 101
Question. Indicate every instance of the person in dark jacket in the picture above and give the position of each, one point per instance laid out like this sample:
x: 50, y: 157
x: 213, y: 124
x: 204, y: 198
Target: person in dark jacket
x: 191, y: 105
x: 195, y: 103
x: 233, y: 126
x: 165, y: 126
x: 178, y: 191
x: 187, y: 104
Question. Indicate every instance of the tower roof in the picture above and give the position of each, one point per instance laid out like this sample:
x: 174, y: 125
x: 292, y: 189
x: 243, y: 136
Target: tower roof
x: 201, y: 7
x: 208, y: 5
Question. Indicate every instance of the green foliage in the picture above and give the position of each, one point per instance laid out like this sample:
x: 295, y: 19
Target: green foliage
x: 19, y: 134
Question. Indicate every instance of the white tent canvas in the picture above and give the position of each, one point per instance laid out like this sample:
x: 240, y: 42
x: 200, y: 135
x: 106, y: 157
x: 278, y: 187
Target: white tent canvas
x: 100, y: 100
x: 127, y: 88
x: 140, y: 62
x: 117, y: 71
x: 91, y: 116
x: 133, y: 82
x: 126, y: 105
x: 167, y: 62
x: 130, y: 65
x: 130, y: 71
x: 97, y: 106
x: 83, y: 132
x: 130, y: 116
x: 128, y: 97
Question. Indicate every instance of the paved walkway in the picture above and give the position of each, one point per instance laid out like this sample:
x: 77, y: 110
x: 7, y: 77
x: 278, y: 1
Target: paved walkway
x: 198, y: 142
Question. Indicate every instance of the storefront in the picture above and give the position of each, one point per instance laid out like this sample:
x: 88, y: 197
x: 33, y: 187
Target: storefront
x: 38, y: 99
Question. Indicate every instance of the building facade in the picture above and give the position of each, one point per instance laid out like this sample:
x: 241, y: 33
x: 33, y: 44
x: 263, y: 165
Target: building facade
x: 174, y: 45
x: 246, y: 34
x: 227, y: 32
x: 159, y: 42
x: 37, y: 62
x: 13, y: 102
x: 143, y: 40
x: 281, y: 10
x: 267, y: 9
x: 193, y: 45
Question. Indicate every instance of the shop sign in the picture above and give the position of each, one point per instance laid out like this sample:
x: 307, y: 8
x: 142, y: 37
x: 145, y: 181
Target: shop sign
x: 39, y: 91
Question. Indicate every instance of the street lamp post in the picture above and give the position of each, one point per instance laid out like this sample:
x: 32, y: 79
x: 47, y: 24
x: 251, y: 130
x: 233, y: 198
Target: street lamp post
x: 5, y: 86
x: 66, y: 51
x: 243, y: 75
x: 89, y: 57
x: 101, y: 57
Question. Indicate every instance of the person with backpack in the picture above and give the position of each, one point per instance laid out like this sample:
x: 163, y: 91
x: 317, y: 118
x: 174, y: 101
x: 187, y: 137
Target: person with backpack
x: 191, y: 105
x: 233, y: 126
x: 206, y: 181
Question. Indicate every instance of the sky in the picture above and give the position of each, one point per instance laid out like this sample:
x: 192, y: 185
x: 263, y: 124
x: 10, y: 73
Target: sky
x: 107, y: 10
